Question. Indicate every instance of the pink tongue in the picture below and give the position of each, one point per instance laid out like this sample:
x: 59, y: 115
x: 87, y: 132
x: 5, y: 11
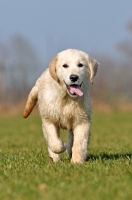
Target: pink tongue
x: 76, y: 90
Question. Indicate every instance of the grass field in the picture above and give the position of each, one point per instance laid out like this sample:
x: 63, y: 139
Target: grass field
x: 26, y: 172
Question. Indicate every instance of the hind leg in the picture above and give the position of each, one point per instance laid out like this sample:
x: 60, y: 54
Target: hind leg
x: 69, y: 144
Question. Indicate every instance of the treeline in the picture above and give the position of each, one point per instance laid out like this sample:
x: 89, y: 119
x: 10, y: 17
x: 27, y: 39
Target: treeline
x: 113, y: 83
x: 20, y: 67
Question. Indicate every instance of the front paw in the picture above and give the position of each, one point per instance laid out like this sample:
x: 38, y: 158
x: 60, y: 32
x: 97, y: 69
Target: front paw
x: 76, y: 160
x: 57, y: 147
x: 53, y: 156
x: 78, y: 157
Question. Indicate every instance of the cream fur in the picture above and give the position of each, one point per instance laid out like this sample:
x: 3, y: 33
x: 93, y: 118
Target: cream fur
x: 60, y: 109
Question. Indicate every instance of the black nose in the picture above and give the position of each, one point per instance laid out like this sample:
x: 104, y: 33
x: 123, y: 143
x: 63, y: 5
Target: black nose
x: 74, y: 77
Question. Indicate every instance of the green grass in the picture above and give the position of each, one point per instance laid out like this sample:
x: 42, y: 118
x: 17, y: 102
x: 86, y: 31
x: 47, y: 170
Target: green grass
x: 27, y: 173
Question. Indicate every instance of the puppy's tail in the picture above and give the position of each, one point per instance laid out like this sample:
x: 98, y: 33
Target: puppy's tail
x: 31, y: 102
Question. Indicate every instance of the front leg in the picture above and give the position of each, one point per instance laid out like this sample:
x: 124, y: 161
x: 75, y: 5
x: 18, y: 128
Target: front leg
x: 80, y: 144
x: 55, y: 145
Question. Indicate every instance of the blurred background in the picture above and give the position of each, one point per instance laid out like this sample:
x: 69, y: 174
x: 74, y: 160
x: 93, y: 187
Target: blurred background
x: 32, y: 32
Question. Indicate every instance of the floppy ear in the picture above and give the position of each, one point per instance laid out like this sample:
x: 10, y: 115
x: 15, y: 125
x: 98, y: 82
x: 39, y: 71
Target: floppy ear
x: 93, y: 66
x: 52, y: 69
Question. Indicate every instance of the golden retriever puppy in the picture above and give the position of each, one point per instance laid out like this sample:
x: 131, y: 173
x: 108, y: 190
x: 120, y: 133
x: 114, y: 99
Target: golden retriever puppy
x: 62, y: 94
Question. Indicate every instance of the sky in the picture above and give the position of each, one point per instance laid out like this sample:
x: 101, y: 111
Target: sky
x: 93, y: 26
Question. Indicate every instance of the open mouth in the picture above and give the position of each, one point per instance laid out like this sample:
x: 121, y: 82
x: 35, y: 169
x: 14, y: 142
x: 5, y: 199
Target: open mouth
x: 74, y: 89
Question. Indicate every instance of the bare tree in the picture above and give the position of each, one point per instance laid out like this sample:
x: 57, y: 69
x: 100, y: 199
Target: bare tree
x: 23, y: 67
x: 2, y: 82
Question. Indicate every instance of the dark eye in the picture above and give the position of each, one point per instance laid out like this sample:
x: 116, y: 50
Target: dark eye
x: 65, y: 65
x: 80, y: 65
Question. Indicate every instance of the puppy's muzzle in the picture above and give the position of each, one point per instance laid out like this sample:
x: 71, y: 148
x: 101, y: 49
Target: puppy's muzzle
x: 74, y: 77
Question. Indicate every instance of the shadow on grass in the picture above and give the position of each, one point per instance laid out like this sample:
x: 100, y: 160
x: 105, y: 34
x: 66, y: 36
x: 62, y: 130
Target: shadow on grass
x: 107, y: 156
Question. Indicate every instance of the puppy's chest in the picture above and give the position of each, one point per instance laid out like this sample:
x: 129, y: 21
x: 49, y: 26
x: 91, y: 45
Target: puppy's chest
x: 67, y: 114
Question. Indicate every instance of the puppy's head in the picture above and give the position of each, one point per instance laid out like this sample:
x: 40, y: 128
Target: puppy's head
x: 71, y: 68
